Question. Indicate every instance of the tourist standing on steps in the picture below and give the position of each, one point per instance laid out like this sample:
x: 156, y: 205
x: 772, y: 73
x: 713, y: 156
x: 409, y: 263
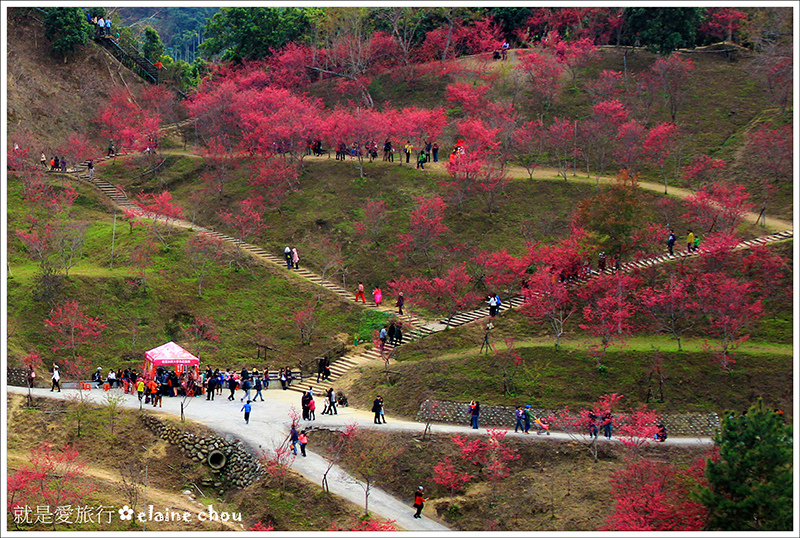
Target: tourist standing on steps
x: 246, y: 408
x: 376, y: 408
x: 390, y: 332
x: 360, y: 292
x: 382, y: 336
x: 492, y: 305
x: 90, y: 168
x: 295, y: 258
x: 398, y: 335
x: 287, y: 255
x: 400, y: 302
x: 377, y: 295
x: 56, y: 379
x: 474, y: 411
x: 689, y: 241
x: 419, y: 502
x: 671, y: 243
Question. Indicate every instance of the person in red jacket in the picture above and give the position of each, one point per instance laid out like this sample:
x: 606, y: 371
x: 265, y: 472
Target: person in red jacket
x: 419, y: 502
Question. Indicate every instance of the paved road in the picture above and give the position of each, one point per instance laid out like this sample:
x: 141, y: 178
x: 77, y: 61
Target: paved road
x: 269, y: 425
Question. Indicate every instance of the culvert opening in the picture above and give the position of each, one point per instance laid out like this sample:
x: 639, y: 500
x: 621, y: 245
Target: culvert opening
x: 216, y: 459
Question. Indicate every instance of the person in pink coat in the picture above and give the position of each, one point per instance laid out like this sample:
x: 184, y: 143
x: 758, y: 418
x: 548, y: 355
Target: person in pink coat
x: 377, y: 295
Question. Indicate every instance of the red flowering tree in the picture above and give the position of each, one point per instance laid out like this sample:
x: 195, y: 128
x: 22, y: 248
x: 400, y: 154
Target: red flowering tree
x: 719, y: 207
x: 446, y: 475
x: 221, y: 163
x: 372, y: 226
x: 658, y: 145
x: 671, y: 74
x: 52, y: 478
x: 162, y: 213
x: 502, y: 272
x: 656, y: 496
x: 702, y: 170
x: 541, y: 76
x: 306, y: 321
x: 446, y: 295
x: 529, y: 149
x: 722, y: 22
x: 247, y: 220
x: 73, y: 327
x: 671, y: 306
x: 560, y: 144
x: 548, y: 300
x: 425, y: 229
x: 731, y: 309
x: 609, y: 308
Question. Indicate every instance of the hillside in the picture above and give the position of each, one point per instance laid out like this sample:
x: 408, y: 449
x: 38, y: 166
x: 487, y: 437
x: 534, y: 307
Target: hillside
x: 50, y: 98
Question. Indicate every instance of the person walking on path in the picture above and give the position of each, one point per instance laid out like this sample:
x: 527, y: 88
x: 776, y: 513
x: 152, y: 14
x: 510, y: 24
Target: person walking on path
x: 331, y: 399
x: 519, y: 414
x: 312, y: 408
x: 212, y: 387
x: 376, y: 408
x: 295, y: 258
x: 232, y: 387
x: 689, y: 241
x: 400, y: 302
x: 383, y: 416
x: 671, y: 243
x: 696, y: 242
x: 419, y: 502
x: 360, y: 292
x: 43, y: 160
x: 321, y: 367
x: 377, y: 296
x: 304, y: 401
x: 246, y: 408
x: 258, y: 386
x: 527, y: 417
x: 140, y: 389
x: 246, y: 388
x: 474, y: 411
x: 57, y: 380
x: 293, y: 438
x: 303, y: 440
x: 408, y: 147
x: 287, y: 255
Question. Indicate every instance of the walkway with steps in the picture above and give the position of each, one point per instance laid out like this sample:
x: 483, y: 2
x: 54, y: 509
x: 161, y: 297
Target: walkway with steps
x: 422, y: 327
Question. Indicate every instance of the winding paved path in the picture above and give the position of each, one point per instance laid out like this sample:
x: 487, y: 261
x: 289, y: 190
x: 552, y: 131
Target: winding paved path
x: 269, y: 425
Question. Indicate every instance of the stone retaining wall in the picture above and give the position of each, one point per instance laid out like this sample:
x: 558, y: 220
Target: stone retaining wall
x: 241, y: 468
x: 18, y: 377
x: 684, y: 425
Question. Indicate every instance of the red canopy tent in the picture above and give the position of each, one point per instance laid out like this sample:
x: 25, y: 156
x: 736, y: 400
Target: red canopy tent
x: 170, y: 355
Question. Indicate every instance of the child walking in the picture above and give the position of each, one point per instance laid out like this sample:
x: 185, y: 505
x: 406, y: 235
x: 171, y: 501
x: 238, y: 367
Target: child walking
x: 246, y: 408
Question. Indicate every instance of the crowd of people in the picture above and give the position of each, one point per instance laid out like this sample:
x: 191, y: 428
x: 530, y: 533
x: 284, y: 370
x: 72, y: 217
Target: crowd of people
x: 427, y: 152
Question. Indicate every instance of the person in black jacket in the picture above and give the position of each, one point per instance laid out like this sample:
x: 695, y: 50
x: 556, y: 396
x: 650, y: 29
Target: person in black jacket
x: 377, y: 405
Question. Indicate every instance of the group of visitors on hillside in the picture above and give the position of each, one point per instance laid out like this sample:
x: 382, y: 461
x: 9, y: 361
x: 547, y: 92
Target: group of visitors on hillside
x: 429, y: 152
x: 55, y: 163
x: 291, y: 257
x: 102, y: 26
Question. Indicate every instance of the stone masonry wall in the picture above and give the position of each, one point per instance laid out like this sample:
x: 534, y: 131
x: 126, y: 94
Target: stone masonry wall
x: 683, y: 425
x: 18, y: 376
x: 241, y: 468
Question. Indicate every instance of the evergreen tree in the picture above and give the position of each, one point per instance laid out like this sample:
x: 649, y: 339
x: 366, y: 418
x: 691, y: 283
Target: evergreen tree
x: 66, y: 28
x: 750, y: 485
x: 662, y: 30
x: 153, y: 48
